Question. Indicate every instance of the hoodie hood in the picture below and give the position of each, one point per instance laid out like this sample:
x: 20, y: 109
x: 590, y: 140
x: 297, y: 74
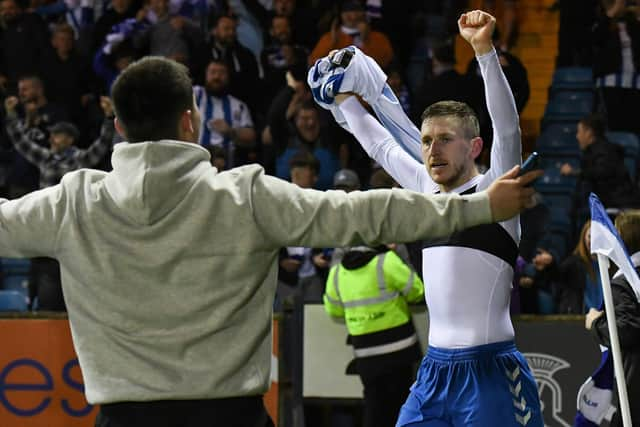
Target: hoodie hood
x: 360, y: 256
x: 150, y: 178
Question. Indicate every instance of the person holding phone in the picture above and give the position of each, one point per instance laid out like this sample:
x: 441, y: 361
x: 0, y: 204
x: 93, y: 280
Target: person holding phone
x: 472, y: 366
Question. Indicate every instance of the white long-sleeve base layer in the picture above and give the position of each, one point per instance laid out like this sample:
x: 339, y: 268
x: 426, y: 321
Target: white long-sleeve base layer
x: 468, y: 277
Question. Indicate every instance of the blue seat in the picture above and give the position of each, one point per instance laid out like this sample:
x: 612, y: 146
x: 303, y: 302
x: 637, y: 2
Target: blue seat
x: 573, y: 78
x: 558, y: 138
x: 628, y: 140
x: 16, y: 282
x: 15, y: 265
x: 12, y: 301
x: 551, y: 161
x: 569, y: 105
x: 555, y: 199
x: 554, y: 181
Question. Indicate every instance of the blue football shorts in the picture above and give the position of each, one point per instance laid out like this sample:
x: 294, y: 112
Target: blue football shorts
x: 484, y: 386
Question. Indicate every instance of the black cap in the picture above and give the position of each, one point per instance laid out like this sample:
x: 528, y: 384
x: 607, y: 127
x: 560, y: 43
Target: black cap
x: 67, y: 129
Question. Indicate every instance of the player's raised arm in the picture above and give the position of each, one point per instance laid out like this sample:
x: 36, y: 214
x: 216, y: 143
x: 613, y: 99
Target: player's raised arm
x: 477, y: 27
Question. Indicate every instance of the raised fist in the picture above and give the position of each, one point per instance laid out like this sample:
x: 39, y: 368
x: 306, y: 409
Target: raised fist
x: 477, y: 27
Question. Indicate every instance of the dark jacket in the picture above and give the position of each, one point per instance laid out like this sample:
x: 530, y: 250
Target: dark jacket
x: 569, y: 285
x: 627, y: 312
x: 244, y: 78
x: 607, y: 48
x: 22, y: 44
x: 602, y: 169
x: 67, y: 80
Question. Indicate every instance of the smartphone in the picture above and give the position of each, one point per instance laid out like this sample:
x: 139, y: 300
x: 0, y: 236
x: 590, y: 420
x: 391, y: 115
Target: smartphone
x: 532, y: 163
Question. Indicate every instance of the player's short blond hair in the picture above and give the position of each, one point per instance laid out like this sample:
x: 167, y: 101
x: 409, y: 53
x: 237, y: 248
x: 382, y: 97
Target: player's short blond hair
x: 458, y: 110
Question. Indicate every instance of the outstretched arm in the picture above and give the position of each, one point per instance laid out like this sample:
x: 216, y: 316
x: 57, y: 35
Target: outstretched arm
x: 477, y: 28
x: 380, y: 145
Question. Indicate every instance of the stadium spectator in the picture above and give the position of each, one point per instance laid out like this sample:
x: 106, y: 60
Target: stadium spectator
x: 244, y: 76
x: 600, y: 168
x: 445, y: 83
x: 35, y: 114
x: 172, y: 36
x: 226, y: 120
x: 308, y: 135
x: 23, y: 41
x: 303, y: 270
x: 118, y: 11
x: 304, y: 23
x: 67, y: 75
x: 62, y: 156
x: 627, y: 314
x: 578, y: 287
x: 118, y: 51
x: 616, y: 64
x: 352, y: 29
x: 279, y: 55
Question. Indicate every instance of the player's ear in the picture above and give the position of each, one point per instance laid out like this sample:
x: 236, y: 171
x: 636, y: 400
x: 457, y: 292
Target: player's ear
x: 119, y: 128
x: 476, y: 147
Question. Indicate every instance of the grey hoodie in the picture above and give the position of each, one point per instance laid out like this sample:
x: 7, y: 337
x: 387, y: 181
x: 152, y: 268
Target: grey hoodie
x: 169, y: 267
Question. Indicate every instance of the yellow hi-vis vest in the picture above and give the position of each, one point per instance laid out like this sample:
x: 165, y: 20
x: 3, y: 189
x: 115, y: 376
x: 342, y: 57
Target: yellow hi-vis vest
x: 373, y: 297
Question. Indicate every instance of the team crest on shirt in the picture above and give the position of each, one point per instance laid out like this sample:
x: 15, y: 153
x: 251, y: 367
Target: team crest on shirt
x: 544, y: 367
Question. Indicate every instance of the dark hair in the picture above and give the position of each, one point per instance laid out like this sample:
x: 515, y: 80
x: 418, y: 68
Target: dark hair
x: 216, y: 152
x: 304, y: 159
x: 62, y: 27
x: 217, y: 18
x: 460, y: 111
x: 596, y: 123
x: 149, y: 98
x: 218, y: 61
x: 36, y: 79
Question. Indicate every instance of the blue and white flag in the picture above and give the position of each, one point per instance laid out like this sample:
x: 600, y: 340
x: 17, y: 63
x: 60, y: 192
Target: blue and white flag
x: 606, y: 241
x: 595, y: 395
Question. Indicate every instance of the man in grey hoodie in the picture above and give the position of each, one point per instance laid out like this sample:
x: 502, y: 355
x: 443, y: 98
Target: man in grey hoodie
x: 169, y: 267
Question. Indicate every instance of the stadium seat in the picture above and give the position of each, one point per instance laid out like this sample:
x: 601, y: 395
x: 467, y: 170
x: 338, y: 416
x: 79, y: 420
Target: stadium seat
x: 554, y: 181
x: 558, y: 135
x: 15, y: 265
x: 569, y: 105
x: 16, y: 282
x: 554, y: 199
x: 12, y: 301
x: 628, y: 140
x: 572, y: 78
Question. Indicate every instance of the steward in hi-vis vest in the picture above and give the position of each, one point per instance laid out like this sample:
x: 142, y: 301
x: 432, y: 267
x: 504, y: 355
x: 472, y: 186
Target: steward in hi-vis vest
x: 370, y: 288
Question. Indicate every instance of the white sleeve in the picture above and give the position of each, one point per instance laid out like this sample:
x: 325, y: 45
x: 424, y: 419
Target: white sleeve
x: 380, y: 146
x: 506, y: 149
